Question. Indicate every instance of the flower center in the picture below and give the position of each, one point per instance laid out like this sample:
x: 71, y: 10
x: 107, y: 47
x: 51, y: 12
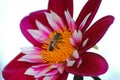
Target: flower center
x: 58, y: 48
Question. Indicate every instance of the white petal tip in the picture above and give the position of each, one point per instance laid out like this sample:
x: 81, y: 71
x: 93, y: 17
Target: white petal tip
x: 48, y: 78
x: 75, y: 54
x: 84, y: 21
x: 72, y: 42
x: 20, y: 59
x: 85, y: 42
x: 78, y: 64
x: 30, y: 71
x: 61, y: 70
x: 70, y: 62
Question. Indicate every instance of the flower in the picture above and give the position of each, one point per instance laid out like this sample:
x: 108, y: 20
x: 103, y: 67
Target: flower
x: 60, y: 44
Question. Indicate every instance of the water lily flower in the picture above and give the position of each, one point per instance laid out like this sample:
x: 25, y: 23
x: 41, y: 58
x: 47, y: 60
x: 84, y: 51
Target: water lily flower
x: 60, y: 44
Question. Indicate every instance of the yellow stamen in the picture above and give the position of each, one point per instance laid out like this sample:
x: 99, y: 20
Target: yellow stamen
x: 62, y: 49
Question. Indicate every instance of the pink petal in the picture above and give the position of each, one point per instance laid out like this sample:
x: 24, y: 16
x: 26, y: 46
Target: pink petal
x: 41, y: 73
x: 59, y: 21
x: 28, y: 22
x: 71, y: 23
x: 40, y: 66
x: 52, y: 77
x: 90, y: 7
x: 49, y: 78
x: 75, y: 54
x: 84, y: 21
x: 43, y: 27
x: 15, y: 70
x: 38, y: 35
x: 59, y: 6
x: 52, y: 72
x: 79, y: 61
x: 72, y: 41
x: 31, y: 58
x: 38, y: 70
x: 70, y: 62
x: 55, y: 21
x: 96, y: 32
x: 85, y: 42
x: 60, y: 68
x: 92, y: 65
x: 77, y: 37
x: 30, y: 50
x: 30, y: 71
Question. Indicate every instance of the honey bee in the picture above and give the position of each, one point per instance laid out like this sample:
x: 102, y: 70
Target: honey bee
x: 54, y: 41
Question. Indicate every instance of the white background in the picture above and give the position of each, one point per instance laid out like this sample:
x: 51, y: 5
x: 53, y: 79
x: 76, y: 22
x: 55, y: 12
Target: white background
x: 11, y: 39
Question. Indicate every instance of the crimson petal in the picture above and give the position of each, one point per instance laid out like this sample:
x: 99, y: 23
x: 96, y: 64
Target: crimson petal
x: 63, y: 76
x: 96, y: 32
x: 90, y: 7
x: 92, y: 65
x: 59, y: 6
x: 15, y: 70
x: 28, y: 22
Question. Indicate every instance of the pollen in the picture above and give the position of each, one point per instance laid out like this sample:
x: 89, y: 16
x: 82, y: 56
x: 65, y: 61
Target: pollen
x: 58, y: 48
